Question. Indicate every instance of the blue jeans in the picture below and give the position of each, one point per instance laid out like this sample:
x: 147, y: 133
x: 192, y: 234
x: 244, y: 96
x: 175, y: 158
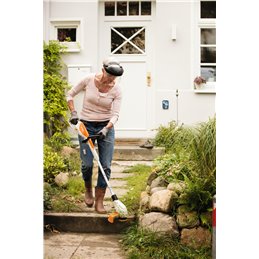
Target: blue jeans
x: 105, y: 151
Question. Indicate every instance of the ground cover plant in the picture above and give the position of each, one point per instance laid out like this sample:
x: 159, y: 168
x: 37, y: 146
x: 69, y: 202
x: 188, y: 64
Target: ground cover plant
x: 136, y: 184
x: 140, y: 243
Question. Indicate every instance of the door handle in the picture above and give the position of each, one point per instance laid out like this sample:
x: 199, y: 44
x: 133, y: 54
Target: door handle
x: 148, y: 78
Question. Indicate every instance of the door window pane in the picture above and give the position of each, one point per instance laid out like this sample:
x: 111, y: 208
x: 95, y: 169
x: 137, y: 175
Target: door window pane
x: 109, y: 8
x: 116, y: 40
x: 127, y: 49
x: 139, y: 40
x: 128, y: 40
x: 145, y: 8
x: 133, y: 8
x: 209, y: 73
x: 208, y: 36
x: 208, y: 9
x: 208, y: 55
x: 121, y: 8
x: 66, y: 34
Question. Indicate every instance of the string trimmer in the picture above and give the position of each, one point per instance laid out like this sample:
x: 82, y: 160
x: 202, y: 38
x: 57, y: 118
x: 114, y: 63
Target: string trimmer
x: 121, y: 210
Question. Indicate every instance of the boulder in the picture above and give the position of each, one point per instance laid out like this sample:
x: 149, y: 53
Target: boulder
x: 196, y: 237
x: 148, y: 189
x: 186, y: 218
x: 67, y: 151
x: 153, y: 190
x: 160, y: 223
x: 62, y: 179
x: 158, y: 182
x: 144, y: 202
x: 206, y: 219
x: 177, y: 187
x: 162, y: 201
x: 151, y: 177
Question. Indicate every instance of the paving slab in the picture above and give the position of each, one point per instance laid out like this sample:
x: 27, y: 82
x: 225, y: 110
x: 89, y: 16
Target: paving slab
x: 118, y: 183
x: 82, y: 246
x: 121, y: 175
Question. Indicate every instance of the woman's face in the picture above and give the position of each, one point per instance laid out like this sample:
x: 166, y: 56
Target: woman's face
x: 108, y: 78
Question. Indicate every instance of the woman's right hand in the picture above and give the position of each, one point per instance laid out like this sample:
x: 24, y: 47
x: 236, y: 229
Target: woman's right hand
x: 74, y: 118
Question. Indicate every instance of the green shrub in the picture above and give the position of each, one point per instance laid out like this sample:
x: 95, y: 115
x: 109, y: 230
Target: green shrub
x: 203, y: 148
x: 173, y: 166
x: 53, y: 164
x: 58, y: 140
x: 174, y: 138
x: 54, y: 86
x: 191, y: 156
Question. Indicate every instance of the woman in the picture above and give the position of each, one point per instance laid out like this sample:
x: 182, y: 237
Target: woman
x: 101, y: 107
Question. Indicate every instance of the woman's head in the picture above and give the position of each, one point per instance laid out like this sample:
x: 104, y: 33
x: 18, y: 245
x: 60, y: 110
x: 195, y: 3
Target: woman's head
x: 112, y: 67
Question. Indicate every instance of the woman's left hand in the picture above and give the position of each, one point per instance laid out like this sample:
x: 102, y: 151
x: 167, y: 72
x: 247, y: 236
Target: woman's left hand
x: 103, y: 132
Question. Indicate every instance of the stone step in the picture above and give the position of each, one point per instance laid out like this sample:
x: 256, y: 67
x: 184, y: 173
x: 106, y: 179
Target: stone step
x: 135, y: 153
x: 130, y: 141
x: 88, y: 222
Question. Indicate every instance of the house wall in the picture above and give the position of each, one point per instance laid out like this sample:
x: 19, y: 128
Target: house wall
x: 88, y: 12
x: 172, y: 65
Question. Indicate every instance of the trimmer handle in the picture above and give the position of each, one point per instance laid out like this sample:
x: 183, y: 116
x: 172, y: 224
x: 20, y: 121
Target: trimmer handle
x: 92, y: 137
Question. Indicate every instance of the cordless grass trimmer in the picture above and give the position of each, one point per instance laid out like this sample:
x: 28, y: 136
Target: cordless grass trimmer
x: 121, y: 210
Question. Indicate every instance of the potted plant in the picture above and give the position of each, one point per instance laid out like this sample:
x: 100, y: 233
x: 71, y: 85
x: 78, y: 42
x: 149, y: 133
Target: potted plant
x: 199, y: 82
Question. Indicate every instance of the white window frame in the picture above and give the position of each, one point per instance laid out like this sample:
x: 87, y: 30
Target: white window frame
x: 200, y: 23
x: 76, y: 23
x: 128, y: 17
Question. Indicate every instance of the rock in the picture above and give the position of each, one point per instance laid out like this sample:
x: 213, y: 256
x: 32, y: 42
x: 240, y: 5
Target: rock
x: 67, y: 151
x: 177, y: 187
x: 151, y: 177
x: 62, y: 179
x: 206, y: 219
x: 46, y: 186
x: 187, y: 219
x: 160, y: 223
x: 196, y: 237
x: 74, y: 173
x: 157, y: 189
x: 148, y: 189
x: 162, y: 201
x: 144, y: 202
x: 158, y: 182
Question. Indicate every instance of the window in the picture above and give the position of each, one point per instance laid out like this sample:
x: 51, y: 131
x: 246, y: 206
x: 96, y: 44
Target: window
x: 128, y: 40
x: 127, y: 8
x: 68, y: 32
x: 207, y: 43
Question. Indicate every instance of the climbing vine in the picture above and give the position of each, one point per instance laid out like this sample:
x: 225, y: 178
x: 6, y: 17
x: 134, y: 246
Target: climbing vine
x: 54, y: 86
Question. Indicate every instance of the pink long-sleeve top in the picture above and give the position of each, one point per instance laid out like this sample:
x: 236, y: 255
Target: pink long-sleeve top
x: 97, y: 106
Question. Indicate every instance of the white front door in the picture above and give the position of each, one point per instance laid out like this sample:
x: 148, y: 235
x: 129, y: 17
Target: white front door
x: 129, y: 42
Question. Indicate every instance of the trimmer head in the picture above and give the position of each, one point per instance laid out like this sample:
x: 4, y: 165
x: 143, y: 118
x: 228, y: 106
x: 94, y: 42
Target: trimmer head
x: 115, y: 216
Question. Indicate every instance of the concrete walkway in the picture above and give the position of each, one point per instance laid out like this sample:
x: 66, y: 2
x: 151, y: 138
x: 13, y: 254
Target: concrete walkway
x: 96, y: 244
x: 82, y: 246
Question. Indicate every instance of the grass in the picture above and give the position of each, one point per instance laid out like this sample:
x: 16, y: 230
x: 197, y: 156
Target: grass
x: 136, y: 183
x: 64, y: 199
x: 144, y: 244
